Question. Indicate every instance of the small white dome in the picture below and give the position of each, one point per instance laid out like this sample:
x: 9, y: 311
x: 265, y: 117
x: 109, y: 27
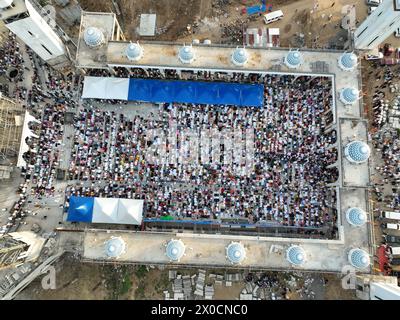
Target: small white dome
x: 186, y: 54
x: 235, y: 252
x: 5, y: 3
x: 347, y: 61
x: 359, y: 258
x: 93, y: 37
x: 356, y: 216
x: 134, y: 52
x: 293, y: 59
x: 296, y: 255
x: 239, y: 57
x: 114, y: 247
x: 175, y: 250
x: 357, y: 152
x: 349, y: 96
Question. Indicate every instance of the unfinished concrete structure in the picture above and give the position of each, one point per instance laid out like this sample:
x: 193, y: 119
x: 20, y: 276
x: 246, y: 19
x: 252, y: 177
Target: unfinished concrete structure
x: 327, y: 255
x: 25, y: 18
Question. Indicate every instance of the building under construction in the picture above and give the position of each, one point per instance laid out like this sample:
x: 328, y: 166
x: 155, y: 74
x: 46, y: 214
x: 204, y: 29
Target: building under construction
x: 11, y: 126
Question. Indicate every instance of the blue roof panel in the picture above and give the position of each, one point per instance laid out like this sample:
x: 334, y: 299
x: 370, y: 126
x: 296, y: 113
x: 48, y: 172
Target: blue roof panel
x: 80, y: 209
x: 218, y: 93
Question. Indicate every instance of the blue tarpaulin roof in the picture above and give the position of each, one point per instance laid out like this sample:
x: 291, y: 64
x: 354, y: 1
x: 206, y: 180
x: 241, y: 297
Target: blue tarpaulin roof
x: 80, y: 209
x: 256, y: 9
x: 219, y: 93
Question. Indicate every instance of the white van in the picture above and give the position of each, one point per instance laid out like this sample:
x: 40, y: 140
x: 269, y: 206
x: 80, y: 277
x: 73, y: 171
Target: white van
x: 371, y: 9
x: 273, y: 16
x: 391, y: 215
x: 395, y: 251
x: 374, y: 2
x: 392, y: 226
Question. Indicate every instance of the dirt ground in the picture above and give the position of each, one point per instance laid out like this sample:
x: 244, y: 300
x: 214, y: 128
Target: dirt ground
x: 172, y: 15
x: 84, y: 281
x: 216, y: 20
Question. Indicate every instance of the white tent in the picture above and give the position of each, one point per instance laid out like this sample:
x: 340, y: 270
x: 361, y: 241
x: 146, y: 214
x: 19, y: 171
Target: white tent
x: 118, y: 211
x: 26, y: 132
x: 105, y: 210
x: 130, y: 211
x: 105, y: 88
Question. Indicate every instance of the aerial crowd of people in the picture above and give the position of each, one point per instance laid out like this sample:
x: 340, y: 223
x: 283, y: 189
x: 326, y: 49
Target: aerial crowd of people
x: 289, y: 175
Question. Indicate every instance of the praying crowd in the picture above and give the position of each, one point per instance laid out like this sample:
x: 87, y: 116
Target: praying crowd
x: 290, y: 157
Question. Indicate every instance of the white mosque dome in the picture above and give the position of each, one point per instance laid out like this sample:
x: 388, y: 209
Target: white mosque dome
x: 175, y: 250
x: 235, y: 252
x: 114, y: 247
x: 186, y: 54
x: 347, y: 61
x: 296, y: 255
x: 349, y: 95
x: 239, y: 57
x: 5, y: 3
x: 293, y: 59
x: 134, y: 51
x: 357, y: 152
x: 359, y: 258
x: 93, y: 37
x: 356, y: 216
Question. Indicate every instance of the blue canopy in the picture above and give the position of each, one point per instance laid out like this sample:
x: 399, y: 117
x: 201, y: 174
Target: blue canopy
x: 201, y: 92
x: 80, y: 209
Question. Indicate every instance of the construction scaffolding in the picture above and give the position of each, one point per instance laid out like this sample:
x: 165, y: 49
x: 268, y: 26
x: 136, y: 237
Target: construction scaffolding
x: 10, y: 250
x: 11, y: 124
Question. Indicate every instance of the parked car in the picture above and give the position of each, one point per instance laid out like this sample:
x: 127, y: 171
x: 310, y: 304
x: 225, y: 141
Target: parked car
x: 392, y: 239
x: 374, y: 2
x: 371, y: 9
x: 374, y: 57
x: 395, y: 251
x: 391, y: 215
x: 392, y: 226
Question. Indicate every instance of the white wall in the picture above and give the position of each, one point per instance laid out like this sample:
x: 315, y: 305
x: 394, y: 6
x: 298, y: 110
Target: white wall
x: 36, y: 33
x: 384, y: 291
x: 378, y: 26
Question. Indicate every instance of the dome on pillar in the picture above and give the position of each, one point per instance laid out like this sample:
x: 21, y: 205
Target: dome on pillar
x: 134, y: 51
x: 356, y: 216
x: 357, y: 152
x: 347, y: 61
x: 175, y: 250
x: 239, y: 57
x: 296, y: 255
x: 235, y: 252
x: 93, y: 37
x: 349, y: 95
x: 293, y: 59
x: 186, y: 54
x: 114, y: 247
x: 359, y: 259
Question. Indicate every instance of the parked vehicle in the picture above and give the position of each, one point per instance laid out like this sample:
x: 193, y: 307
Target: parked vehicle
x: 371, y: 9
x: 391, y: 215
x: 395, y: 251
x: 374, y: 2
x: 389, y: 61
x: 374, y: 57
x: 397, y: 33
x: 392, y: 226
x: 395, y: 262
x: 273, y: 16
x: 392, y: 239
